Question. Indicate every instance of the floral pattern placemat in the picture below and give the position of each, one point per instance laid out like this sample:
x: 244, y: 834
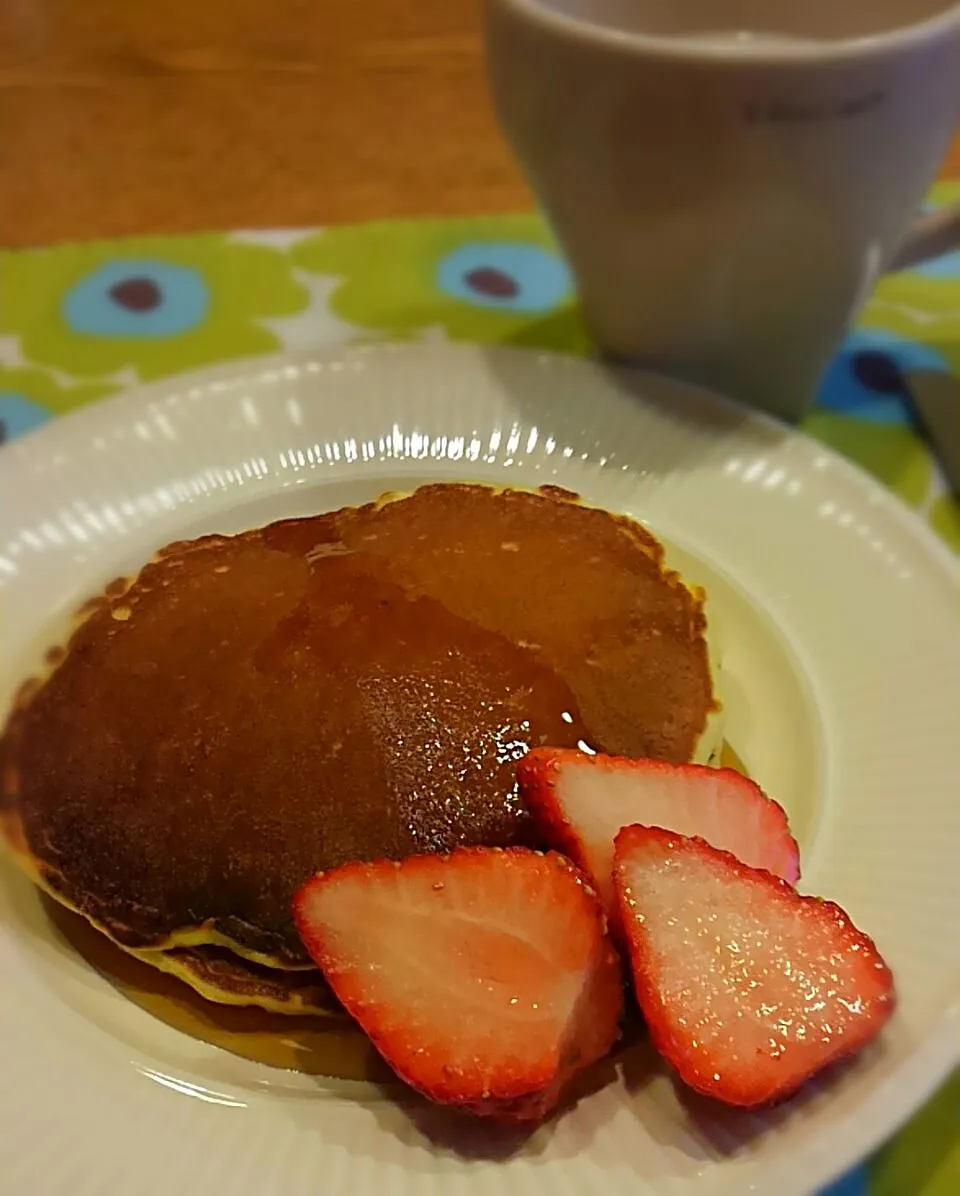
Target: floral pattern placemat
x: 79, y: 322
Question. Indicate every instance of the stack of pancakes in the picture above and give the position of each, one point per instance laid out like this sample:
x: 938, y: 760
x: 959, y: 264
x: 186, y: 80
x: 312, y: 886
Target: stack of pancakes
x: 357, y: 685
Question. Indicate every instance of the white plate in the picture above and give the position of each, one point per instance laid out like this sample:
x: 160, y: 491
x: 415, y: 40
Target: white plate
x: 838, y: 614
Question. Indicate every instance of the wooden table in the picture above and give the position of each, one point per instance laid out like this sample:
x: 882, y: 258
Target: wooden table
x: 126, y: 116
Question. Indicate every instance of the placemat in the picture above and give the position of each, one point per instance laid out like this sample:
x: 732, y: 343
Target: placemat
x: 82, y: 321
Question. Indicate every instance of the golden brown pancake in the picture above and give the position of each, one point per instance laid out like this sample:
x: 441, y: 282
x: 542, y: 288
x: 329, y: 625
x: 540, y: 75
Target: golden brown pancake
x: 222, y: 976
x: 357, y: 685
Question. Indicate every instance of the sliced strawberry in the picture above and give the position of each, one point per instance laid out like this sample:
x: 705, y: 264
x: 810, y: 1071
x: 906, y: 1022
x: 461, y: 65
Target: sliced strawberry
x: 581, y: 802
x: 485, y: 978
x: 748, y: 988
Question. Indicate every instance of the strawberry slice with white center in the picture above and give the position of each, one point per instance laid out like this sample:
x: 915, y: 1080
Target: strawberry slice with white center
x: 748, y: 988
x: 580, y: 803
x: 485, y: 978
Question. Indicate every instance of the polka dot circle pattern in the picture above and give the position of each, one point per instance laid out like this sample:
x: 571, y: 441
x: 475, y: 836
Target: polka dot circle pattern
x: 18, y: 414
x: 137, y: 299
x: 510, y: 275
x: 868, y: 377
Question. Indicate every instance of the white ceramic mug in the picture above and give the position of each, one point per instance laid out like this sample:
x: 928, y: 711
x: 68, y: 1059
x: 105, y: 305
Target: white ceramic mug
x: 728, y: 177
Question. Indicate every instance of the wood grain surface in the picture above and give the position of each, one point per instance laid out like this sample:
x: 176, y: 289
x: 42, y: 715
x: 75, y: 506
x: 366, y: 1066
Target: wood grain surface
x: 129, y: 116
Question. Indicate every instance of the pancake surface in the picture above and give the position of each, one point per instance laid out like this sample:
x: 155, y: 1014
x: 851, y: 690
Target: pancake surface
x: 356, y: 685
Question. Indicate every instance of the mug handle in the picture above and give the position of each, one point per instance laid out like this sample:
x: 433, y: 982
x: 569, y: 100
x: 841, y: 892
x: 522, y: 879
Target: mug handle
x: 929, y: 236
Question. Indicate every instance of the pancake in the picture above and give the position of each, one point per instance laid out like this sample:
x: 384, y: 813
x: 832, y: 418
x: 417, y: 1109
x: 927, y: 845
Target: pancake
x: 355, y: 685
x: 219, y: 975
